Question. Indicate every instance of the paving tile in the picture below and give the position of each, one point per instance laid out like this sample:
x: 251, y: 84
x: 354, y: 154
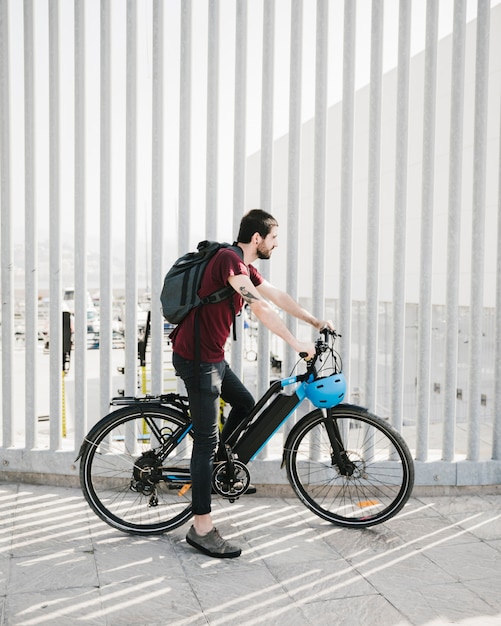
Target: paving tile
x: 418, y: 508
x: 449, y: 505
x: 284, y: 546
x: 65, y: 569
x: 495, y: 620
x: 55, y: 608
x: 432, y: 531
x: 156, y: 601
x: 487, y: 589
x: 4, y: 574
x: 356, y: 542
x: 42, y: 526
x: 412, y: 604
x: 485, y: 525
x: 39, y: 541
x: 226, y: 596
x: 264, y: 513
x: 319, y: 581
x: 5, y: 546
x: 361, y: 610
x: 495, y: 543
x: 493, y: 501
x: 401, y: 569
x: 280, y: 612
x: 451, y: 603
x: 467, y: 561
x: 136, y: 558
x: 8, y: 499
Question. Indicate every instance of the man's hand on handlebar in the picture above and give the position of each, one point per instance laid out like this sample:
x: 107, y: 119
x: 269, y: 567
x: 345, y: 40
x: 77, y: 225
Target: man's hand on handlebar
x: 307, y: 350
x: 325, y: 324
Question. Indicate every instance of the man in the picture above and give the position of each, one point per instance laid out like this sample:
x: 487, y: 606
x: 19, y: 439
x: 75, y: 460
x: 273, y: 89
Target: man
x: 257, y: 238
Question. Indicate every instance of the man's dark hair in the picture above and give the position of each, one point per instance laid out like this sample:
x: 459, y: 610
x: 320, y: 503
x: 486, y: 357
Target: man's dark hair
x: 255, y: 221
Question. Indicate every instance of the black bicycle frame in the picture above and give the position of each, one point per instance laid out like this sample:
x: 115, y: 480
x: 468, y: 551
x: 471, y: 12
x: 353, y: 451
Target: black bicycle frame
x: 254, y: 432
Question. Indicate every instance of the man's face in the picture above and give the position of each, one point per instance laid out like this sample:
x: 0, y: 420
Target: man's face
x: 266, y: 245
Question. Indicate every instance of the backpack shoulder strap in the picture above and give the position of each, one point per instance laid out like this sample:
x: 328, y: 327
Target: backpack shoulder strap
x: 225, y: 292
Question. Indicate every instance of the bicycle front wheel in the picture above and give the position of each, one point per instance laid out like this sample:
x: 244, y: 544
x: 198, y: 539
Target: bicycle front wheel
x: 134, y: 469
x: 367, y: 483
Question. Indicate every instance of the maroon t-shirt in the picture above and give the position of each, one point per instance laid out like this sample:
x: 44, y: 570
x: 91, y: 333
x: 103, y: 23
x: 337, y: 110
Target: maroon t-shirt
x: 214, y: 320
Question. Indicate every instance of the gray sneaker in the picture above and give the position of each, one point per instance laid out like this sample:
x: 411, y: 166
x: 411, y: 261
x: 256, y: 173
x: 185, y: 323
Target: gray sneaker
x: 212, y: 544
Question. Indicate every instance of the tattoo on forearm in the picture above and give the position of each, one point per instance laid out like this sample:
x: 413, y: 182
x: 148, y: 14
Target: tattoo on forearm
x: 248, y: 296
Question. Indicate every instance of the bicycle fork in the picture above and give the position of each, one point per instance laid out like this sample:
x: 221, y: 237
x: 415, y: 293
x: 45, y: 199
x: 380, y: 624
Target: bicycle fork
x: 339, y: 456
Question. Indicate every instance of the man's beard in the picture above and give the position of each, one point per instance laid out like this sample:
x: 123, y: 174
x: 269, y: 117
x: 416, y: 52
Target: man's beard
x: 264, y: 254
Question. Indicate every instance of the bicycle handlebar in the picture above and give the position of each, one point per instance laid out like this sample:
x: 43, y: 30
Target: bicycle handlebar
x: 321, y: 346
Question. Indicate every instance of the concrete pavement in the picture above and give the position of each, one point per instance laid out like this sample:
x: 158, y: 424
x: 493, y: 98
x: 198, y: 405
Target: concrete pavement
x: 438, y: 562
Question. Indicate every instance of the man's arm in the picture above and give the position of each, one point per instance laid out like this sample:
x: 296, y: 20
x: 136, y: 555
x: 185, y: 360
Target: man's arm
x: 265, y: 314
x: 285, y: 302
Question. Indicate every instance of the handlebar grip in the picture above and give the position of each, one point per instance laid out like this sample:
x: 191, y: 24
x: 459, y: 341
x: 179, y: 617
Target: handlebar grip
x: 303, y: 355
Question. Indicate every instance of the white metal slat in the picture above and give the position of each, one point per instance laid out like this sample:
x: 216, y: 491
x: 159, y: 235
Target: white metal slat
x: 453, y: 230
x: 372, y: 276
x: 30, y: 238
x: 400, y: 212
x: 55, y: 287
x: 267, y: 110
x: 319, y: 158
x: 294, y: 169
x: 239, y: 154
x: 131, y: 210
x: 157, y: 210
x: 346, y: 199
x: 478, y: 226
x: 426, y: 248
x: 105, y: 200
x: 6, y: 232
x: 80, y: 236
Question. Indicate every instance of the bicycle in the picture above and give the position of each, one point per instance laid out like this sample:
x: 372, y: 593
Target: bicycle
x: 345, y: 464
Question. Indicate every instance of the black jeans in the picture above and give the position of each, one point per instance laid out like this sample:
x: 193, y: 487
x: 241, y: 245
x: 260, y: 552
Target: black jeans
x: 214, y: 380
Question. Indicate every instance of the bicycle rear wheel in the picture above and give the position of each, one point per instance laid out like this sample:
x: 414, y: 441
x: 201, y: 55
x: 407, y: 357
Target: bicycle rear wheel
x: 380, y: 477
x: 134, y: 469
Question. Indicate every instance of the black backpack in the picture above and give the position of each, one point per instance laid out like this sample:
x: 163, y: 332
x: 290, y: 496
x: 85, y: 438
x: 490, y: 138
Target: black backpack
x: 182, y: 282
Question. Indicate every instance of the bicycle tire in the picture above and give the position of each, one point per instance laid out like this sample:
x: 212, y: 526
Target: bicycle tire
x: 115, y: 455
x: 383, y: 475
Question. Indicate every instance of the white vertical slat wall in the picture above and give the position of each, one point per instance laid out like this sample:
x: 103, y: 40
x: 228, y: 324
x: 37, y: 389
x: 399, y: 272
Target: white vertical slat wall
x: 131, y: 130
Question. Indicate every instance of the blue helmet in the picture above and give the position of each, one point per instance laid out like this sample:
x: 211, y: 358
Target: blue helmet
x: 326, y: 392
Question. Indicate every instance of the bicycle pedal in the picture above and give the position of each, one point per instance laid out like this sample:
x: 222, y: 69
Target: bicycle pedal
x: 184, y: 489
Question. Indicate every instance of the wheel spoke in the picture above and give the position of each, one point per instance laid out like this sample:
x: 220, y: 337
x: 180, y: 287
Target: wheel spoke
x: 371, y: 488
x: 133, y: 471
